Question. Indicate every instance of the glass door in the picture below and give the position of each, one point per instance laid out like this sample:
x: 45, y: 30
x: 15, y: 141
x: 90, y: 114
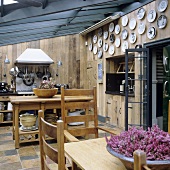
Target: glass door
x: 137, y: 88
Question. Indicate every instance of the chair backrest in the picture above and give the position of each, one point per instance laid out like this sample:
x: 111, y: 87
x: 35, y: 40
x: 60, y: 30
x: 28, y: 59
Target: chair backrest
x: 76, y: 100
x: 47, y: 130
x: 140, y: 160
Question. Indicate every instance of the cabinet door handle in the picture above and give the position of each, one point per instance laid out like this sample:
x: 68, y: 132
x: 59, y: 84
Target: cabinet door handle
x: 164, y: 90
x: 165, y: 63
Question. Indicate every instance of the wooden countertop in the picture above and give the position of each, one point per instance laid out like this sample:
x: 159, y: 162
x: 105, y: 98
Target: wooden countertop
x: 92, y: 155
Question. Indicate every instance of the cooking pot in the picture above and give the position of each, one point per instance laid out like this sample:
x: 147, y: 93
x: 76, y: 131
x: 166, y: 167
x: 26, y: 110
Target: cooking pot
x: 20, y: 74
x: 39, y: 73
x: 28, y: 81
x: 19, y: 80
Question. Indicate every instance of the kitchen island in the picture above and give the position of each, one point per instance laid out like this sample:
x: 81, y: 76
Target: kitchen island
x: 24, y: 103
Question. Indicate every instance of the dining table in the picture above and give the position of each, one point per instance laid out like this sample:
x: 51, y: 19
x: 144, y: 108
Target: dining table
x: 92, y: 154
x: 25, y: 103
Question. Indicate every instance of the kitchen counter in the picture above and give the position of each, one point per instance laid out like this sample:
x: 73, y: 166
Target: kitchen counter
x: 9, y: 94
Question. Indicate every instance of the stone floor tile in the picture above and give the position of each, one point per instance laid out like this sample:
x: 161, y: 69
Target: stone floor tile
x: 27, y: 164
x: 28, y: 157
x: 6, y: 142
x: 11, y: 166
x: 7, y: 147
x: 27, y: 151
x: 2, y: 153
x: 11, y: 152
x: 9, y: 159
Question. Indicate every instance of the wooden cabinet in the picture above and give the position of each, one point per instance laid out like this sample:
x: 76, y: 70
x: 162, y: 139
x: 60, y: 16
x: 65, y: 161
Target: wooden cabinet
x: 5, y: 114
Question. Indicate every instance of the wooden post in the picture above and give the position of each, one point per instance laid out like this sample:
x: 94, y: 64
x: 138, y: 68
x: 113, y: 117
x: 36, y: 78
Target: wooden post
x: 139, y: 159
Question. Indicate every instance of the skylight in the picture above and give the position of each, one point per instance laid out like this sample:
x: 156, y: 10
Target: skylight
x: 7, y: 2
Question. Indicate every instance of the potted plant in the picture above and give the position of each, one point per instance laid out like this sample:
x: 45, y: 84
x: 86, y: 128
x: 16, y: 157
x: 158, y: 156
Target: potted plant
x: 46, y: 88
x: 154, y: 142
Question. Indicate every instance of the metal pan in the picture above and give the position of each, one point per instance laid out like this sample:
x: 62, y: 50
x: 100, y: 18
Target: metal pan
x: 39, y: 73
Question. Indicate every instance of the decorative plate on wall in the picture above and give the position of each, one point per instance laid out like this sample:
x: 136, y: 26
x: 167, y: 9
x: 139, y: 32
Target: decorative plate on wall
x: 117, y: 29
x: 141, y: 28
x: 162, y: 5
x: 117, y: 42
x: 151, y: 15
x: 112, y: 38
x: 90, y: 47
x: 141, y: 13
x: 125, y: 20
x: 124, y: 46
x: 100, y: 54
x: 105, y: 35
x: 111, y: 50
x: 124, y: 34
x: 151, y: 33
x: 132, y: 38
x: 132, y: 23
x: 105, y: 47
x: 95, y: 39
x: 111, y: 27
x: 95, y: 50
x: 100, y: 32
x: 162, y: 21
x: 100, y: 42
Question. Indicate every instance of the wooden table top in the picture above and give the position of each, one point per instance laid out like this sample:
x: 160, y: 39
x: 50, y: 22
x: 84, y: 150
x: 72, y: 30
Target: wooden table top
x: 23, y: 99
x: 92, y: 155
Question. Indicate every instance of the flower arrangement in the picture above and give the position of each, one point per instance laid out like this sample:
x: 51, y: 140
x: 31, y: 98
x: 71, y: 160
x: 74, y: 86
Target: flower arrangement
x: 154, y: 142
x: 47, y: 84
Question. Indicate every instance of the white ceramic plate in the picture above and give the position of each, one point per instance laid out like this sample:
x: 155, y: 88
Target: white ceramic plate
x: 141, y: 28
x: 105, y: 35
x: 132, y: 38
x: 124, y: 46
x: 151, y: 15
x: 162, y: 21
x: 132, y: 23
x: 95, y: 39
x: 124, y: 34
x: 151, y: 33
x: 162, y: 5
x: 95, y: 50
x: 112, y: 38
x: 100, y: 42
x: 125, y: 20
x: 111, y: 50
x: 100, y: 32
x: 111, y: 27
x: 90, y: 47
x: 105, y: 47
x: 117, y: 42
x: 117, y: 29
x: 100, y: 54
x: 141, y: 13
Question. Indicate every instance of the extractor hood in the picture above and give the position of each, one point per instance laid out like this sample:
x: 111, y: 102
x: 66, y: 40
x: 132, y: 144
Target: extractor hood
x: 34, y: 56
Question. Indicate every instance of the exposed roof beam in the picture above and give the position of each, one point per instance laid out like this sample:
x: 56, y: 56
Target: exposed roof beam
x: 2, y: 8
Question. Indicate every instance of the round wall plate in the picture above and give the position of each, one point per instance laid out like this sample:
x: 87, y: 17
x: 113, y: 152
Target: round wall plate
x: 117, y: 42
x: 95, y: 50
x: 100, y: 32
x: 132, y: 23
x: 117, y: 29
x: 141, y: 13
x: 95, y: 39
x: 132, y: 38
x: 124, y: 46
x: 105, y: 35
x: 141, y: 28
x: 125, y: 20
x: 111, y: 27
x: 151, y: 33
x: 124, y: 34
x: 162, y: 21
x: 105, y: 47
x: 151, y: 15
x: 162, y: 5
x: 112, y: 38
x: 100, y: 42
x: 111, y: 50
x: 90, y: 47
x: 100, y: 54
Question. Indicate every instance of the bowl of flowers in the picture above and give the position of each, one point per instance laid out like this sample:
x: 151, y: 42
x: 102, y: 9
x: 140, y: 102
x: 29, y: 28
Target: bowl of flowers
x: 154, y: 142
x: 46, y: 89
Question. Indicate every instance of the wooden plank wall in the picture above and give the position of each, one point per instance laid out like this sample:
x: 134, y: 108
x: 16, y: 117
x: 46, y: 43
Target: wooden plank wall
x: 65, y: 49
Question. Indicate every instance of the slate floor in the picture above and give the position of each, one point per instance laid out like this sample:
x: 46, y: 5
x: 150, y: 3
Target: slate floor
x: 24, y: 158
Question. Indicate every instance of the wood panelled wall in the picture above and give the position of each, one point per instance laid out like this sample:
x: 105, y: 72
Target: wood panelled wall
x: 65, y: 49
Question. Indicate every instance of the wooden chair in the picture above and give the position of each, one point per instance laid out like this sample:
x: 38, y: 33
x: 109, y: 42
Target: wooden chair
x: 90, y: 116
x: 46, y: 131
x: 140, y: 160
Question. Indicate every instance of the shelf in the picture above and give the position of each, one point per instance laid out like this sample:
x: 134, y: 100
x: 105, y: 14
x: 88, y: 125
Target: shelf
x: 6, y: 122
x: 5, y: 111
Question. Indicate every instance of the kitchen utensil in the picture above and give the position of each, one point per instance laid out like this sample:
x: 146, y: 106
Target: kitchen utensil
x: 39, y: 73
x: 19, y: 80
x: 47, y: 72
x: 12, y: 72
